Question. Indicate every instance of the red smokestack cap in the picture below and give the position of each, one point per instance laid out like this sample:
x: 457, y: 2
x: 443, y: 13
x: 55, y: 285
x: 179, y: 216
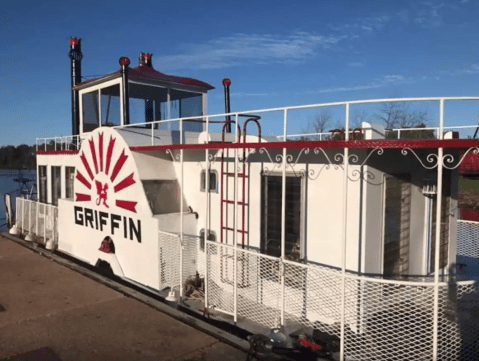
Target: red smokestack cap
x: 226, y: 82
x: 124, y: 61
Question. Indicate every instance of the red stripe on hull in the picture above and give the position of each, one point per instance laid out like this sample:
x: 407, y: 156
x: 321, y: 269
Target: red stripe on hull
x: 100, y: 150
x: 86, y: 165
x: 82, y: 179
x: 93, y: 154
x: 119, y: 164
x: 360, y: 144
x: 128, y: 205
x: 128, y: 181
x: 109, y: 154
x: 80, y: 197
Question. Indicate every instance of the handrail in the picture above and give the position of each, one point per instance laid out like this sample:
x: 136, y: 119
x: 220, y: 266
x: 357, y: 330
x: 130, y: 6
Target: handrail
x: 207, y: 118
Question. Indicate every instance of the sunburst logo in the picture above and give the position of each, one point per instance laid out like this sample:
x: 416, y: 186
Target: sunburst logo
x: 105, y: 185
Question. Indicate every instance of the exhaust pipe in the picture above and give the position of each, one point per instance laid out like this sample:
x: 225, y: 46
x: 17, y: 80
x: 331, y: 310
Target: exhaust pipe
x: 124, y: 63
x: 76, y: 57
x: 226, y: 84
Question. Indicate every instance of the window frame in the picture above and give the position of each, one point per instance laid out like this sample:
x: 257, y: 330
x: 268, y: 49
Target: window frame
x: 98, y: 89
x: 203, y: 178
x: 302, y: 207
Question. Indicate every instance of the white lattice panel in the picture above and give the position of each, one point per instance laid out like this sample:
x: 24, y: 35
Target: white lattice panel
x: 219, y: 289
x: 468, y: 243
x: 169, y: 249
x: 458, y: 333
x: 259, y: 288
x: 313, y: 296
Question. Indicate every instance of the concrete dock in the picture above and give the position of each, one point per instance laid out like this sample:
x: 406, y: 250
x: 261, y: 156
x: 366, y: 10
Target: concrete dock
x: 53, y: 312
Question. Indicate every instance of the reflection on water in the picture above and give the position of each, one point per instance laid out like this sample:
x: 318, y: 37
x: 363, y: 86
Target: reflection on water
x: 9, y: 184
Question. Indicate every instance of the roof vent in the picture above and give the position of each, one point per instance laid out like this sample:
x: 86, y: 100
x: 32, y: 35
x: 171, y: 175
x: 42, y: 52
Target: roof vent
x: 145, y: 59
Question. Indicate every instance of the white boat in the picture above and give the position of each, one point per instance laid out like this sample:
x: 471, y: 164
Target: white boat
x: 336, y: 232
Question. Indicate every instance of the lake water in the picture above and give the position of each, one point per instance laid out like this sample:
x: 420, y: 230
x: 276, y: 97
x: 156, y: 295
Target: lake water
x: 10, y: 186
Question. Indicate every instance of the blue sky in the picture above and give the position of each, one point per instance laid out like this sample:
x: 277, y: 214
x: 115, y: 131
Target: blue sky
x: 276, y: 53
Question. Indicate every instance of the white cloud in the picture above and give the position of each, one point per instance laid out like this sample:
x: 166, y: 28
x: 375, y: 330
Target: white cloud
x: 355, y: 64
x: 297, y: 47
x: 386, y: 80
x: 429, y: 14
x: 243, y: 48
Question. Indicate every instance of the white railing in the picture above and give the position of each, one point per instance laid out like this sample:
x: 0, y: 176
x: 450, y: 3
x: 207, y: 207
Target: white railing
x: 179, y: 260
x: 71, y: 142
x: 378, y: 319
x: 439, y: 126
x: 391, y: 134
x: 37, y: 219
x: 383, y: 319
x: 468, y: 245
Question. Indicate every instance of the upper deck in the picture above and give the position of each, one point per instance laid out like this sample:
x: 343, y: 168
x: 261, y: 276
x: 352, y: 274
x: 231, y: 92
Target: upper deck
x: 433, y: 122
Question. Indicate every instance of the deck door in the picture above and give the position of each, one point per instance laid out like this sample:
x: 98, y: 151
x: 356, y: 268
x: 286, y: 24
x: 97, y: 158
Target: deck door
x: 397, y: 224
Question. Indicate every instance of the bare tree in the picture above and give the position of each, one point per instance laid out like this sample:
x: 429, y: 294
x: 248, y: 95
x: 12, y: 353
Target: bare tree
x: 319, y: 123
x: 357, y: 118
x: 398, y: 115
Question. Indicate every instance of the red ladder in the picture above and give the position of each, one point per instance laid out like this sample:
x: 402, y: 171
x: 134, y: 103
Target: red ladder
x: 243, y: 173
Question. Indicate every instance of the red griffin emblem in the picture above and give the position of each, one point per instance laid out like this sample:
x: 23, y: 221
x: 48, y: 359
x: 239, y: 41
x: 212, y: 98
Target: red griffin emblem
x: 108, y: 167
x: 102, y: 194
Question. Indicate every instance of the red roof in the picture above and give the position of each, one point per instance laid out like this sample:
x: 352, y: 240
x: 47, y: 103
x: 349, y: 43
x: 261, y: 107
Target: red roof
x: 150, y: 73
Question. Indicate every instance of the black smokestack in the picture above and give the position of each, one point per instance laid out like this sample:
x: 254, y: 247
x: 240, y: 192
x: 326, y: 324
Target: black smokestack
x: 76, y: 56
x: 124, y: 64
x: 226, y: 84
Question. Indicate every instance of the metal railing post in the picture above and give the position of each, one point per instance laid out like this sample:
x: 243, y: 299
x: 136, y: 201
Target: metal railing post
x: 283, y: 216
x: 207, y: 228
x: 29, y: 217
x: 37, y: 210
x: 235, y: 223
x: 181, y: 211
x: 345, y: 237
x: 440, y: 155
x: 23, y: 215
x: 45, y: 223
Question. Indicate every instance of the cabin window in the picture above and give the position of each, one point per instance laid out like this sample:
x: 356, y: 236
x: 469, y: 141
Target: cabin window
x: 211, y: 237
x: 185, y: 105
x: 56, y: 185
x: 110, y: 106
x: 42, y: 184
x: 147, y: 103
x: 213, y: 181
x: 90, y: 111
x: 271, y: 216
x: 69, y: 180
x: 397, y: 224
x: 164, y: 196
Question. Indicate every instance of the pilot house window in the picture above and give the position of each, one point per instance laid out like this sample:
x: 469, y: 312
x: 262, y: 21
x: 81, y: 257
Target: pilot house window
x: 90, y: 111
